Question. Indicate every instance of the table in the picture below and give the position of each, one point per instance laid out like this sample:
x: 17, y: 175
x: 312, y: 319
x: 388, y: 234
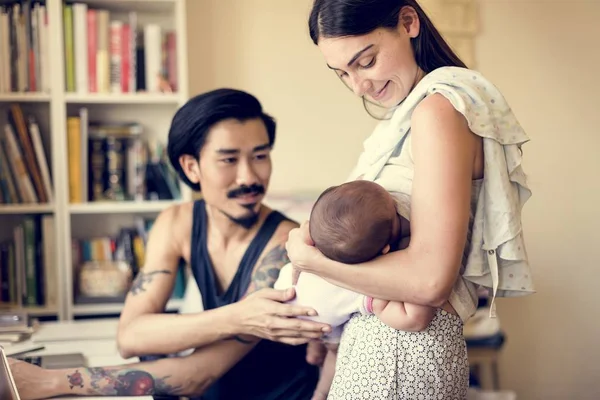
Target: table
x: 95, y: 339
x: 484, y: 355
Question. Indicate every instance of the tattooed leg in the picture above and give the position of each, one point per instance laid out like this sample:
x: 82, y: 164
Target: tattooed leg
x: 143, y: 278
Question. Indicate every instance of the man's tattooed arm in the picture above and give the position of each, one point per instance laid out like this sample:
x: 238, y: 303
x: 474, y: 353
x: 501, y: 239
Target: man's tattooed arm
x: 121, y: 381
x: 144, y: 278
x: 129, y: 382
x: 267, y: 271
x: 188, y: 376
x: 264, y: 276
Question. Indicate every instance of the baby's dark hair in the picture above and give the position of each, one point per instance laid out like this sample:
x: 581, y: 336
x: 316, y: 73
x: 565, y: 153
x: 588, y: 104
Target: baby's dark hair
x: 352, y: 222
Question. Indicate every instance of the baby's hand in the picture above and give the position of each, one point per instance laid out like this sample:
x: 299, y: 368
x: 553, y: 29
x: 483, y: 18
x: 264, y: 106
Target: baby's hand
x: 379, y: 306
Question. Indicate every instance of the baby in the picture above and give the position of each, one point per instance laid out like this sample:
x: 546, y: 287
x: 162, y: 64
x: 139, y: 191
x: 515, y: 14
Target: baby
x: 353, y: 223
x: 356, y: 222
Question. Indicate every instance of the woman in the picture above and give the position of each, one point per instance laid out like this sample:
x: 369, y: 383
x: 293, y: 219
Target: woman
x: 448, y: 125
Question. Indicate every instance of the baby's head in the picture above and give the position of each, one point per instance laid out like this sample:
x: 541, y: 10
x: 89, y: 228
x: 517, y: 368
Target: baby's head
x: 354, y: 222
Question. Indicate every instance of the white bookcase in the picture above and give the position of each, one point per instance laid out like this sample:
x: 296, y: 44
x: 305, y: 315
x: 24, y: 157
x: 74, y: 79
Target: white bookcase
x: 153, y: 110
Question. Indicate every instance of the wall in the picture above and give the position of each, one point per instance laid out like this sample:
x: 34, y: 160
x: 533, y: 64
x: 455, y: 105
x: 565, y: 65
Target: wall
x: 263, y: 46
x: 544, y: 56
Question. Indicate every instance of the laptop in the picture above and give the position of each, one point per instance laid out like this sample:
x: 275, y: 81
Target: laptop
x: 56, y: 361
x: 22, y: 351
x: 8, y: 388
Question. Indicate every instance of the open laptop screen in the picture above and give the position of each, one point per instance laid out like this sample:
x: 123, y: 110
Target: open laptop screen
x: 8, y: 389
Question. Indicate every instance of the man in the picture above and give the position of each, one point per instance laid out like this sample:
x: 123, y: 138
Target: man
x: 220, y: 143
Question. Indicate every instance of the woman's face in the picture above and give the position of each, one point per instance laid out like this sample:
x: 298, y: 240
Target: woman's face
x: 379, y: 65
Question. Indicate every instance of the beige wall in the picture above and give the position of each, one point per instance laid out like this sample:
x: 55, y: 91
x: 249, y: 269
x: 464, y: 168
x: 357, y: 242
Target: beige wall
x: 544, y: 56
x: 263, y: 46
x: 528, y: 48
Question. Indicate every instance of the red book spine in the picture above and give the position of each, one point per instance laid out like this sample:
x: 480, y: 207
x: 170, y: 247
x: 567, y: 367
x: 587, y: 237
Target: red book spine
x: 92, y: 28
x: 172, y: 60
x: 32, y: 87
x: 125, y: 57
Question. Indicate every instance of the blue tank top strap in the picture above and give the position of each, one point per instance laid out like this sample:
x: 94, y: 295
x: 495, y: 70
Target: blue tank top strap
x: 199, y: 259
x: 202, y: 266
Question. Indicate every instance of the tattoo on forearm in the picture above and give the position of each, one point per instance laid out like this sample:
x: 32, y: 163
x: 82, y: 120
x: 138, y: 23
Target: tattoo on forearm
x: 267, y: 272
x: 75, y: 379
x: 143, y: 278
x: 123, y: 382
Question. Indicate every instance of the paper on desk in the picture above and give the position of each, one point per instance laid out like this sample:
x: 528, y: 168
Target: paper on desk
x: 21, y: 348
x: 76, y: 330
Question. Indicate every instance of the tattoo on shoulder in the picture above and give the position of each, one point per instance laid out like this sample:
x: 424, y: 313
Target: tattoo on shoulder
x: 143, y: 278
x: 124, y: 382
x: 267, y: 272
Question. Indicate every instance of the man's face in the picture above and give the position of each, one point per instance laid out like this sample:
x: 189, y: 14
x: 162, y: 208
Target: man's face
x: 235, y: 169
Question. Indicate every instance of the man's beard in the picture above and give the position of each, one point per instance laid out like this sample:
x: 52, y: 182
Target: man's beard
x: 247, y: 221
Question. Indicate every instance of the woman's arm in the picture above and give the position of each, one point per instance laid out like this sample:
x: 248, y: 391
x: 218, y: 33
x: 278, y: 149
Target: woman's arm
x: 444, y: 152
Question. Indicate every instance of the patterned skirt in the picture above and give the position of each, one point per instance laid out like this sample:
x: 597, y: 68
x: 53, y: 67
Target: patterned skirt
x: 377, y: 362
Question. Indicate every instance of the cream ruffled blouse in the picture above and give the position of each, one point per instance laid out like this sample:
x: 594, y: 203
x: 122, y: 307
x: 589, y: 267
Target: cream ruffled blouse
x: 496, y: 258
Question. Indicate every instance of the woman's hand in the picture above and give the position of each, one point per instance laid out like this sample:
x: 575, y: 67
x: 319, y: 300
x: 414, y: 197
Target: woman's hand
x: 301, y: 251
x: 262, y: 314
x: 32, y: 381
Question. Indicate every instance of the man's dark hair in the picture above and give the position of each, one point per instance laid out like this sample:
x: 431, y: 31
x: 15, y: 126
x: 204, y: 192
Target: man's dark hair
x: 192, y: 122
x: 351, y: 223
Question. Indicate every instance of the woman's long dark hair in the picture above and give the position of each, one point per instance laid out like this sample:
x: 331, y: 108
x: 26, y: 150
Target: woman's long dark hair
x: 338, y: 18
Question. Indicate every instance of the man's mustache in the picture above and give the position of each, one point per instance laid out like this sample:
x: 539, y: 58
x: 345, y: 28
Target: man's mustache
x: 243, y: 190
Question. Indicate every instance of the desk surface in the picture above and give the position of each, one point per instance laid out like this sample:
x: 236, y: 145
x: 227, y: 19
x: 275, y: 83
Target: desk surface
x: 94, y: 339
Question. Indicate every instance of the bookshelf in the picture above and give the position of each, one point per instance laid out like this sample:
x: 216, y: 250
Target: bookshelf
x: 61, y: 94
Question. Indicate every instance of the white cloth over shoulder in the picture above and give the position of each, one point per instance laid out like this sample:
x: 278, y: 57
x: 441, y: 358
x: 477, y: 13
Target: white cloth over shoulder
x: 333, y: 304
x: 496, y: 259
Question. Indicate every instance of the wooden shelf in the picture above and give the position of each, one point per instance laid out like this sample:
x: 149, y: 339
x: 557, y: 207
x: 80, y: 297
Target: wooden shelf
x: 116, y: 308
x: 146, y: 6
x: 32, y: 311
x: 24, y: 97
x: 153, y: 110
x: 26, y: 208
x: 121, y: 207
x: 40, y: 311
x: 122, y: 98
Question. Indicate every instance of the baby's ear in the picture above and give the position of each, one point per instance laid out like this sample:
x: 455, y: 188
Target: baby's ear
x: 386, y: 249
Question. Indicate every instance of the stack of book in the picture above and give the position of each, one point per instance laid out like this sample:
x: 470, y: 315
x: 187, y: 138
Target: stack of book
x: 112, y: 161
x: 24, y: 47
x: 24, y: 172
x: 111, y: 54
x: 14, y: 328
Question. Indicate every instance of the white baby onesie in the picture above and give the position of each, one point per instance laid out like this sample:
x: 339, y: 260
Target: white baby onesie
x: 333, y: 304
